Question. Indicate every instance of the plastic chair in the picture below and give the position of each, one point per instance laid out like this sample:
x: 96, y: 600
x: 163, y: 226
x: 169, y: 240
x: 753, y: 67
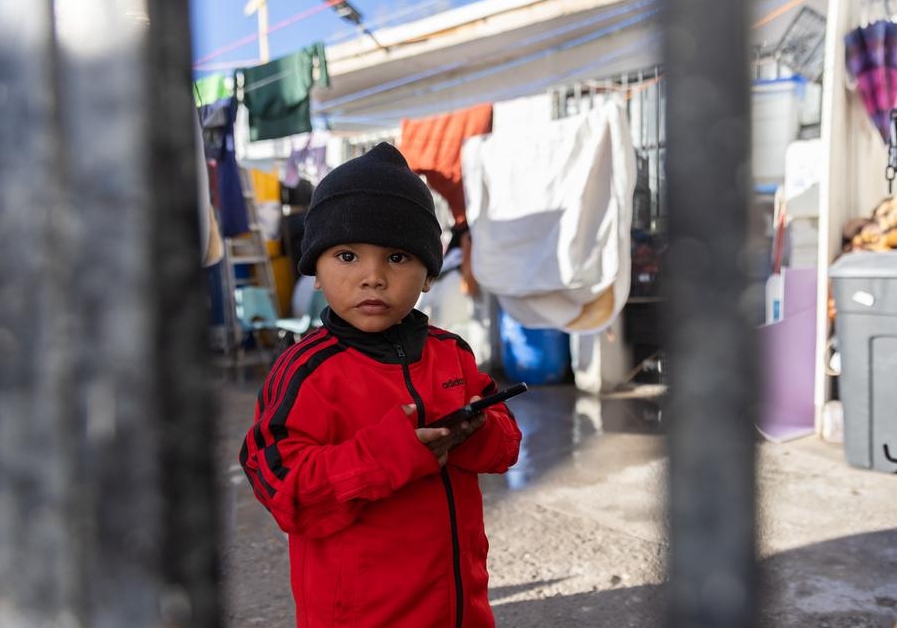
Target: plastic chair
x: 318, y: 303
x: 292, y: 329
x: 256, y: 313
x: 254, y: 308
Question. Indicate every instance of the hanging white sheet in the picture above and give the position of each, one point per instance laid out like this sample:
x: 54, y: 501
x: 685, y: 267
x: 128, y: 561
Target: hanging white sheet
x: 508, y: 116
x: 550, y: 210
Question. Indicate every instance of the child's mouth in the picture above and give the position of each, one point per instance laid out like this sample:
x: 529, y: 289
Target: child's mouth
x: 372, y: 306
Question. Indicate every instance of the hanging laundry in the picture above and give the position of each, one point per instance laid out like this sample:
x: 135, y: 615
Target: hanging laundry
x: 550, y: 210
x: 308, y: 159
x: 266, y: 185
x: 508, y: 116
x: 211, y: 88
x: 217, y: 122
x: 278, y: 94
x: 432, y: 147
x: 210, y: 245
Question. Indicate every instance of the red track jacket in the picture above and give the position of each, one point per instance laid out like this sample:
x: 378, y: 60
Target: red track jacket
x: 380, y: 536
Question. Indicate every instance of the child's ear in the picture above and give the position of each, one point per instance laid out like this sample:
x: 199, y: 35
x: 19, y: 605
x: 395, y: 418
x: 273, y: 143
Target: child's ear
x: 427, y: 282
x: 317, y: 283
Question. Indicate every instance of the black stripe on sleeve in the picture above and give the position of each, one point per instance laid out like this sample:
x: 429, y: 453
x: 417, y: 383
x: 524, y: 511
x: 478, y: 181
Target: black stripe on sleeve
x: 268, y: 488
x: 301, y: 351
x: 441, y: 334
x: 286, y: 360
x: 278, y: 420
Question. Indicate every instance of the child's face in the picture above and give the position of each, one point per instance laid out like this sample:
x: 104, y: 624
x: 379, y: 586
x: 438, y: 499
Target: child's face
x: 369, y: 286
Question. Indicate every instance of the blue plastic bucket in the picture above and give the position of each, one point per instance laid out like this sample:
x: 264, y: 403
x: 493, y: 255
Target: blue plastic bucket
x: 534, y: 356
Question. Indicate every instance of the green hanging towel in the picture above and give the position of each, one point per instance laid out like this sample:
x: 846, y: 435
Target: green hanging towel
x: 211, y: 89
x: 277, y: 94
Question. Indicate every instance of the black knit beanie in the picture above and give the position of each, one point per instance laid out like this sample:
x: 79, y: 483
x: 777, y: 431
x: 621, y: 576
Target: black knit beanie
x: 373, y: 199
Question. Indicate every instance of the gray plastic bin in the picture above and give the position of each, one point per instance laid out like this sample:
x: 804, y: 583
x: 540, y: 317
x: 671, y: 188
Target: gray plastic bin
x: 865, y: 290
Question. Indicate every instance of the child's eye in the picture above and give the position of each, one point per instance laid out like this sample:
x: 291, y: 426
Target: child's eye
x: 398, y: 258
x: 346, y: 256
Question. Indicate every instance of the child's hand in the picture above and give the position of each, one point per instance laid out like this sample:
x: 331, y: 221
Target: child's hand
x: 464, y: 429
x: 436, y: 438
x: 460, y: 432
x: 442, y: 440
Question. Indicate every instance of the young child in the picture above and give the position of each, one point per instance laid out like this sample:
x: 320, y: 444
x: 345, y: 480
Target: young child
x: 384, y: 515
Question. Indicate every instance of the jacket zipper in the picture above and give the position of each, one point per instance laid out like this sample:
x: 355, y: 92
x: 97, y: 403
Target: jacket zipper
x: 456, y: 550
x: 447, y: 485
x: 406, y: 372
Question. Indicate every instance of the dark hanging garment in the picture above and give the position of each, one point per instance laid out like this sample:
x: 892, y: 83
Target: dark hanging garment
x: 278, y: 94
x: 298, y: 195
x: 218, y: 138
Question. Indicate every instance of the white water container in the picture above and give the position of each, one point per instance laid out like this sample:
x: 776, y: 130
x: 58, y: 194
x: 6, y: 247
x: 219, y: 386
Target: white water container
x: 775, y: 123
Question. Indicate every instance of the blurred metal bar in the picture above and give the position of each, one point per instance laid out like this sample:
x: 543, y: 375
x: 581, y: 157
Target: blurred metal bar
x: 186, y: 412
x: 658, y: 138
x: 39, y: 479
x: 711, y: 408
x: 106, y: 511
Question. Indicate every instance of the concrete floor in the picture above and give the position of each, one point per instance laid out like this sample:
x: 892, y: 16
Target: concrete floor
x: 577, y: 533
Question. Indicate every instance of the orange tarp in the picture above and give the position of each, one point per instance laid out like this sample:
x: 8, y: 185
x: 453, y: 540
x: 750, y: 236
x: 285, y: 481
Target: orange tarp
x: 432, y: 147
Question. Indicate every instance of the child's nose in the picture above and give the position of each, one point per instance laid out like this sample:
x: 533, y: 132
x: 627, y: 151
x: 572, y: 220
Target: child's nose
x: 374, y: 275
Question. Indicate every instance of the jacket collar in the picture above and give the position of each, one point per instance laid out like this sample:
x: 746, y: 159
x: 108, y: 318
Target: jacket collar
x: 410, y: 335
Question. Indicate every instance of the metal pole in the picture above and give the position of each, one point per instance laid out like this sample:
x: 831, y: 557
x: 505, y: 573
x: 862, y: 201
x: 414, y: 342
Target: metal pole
x: 106, y: 508
x: 260, y: 7
x: 186, y: 409
x: 655, y: 205
x: 40, y: 563
x: 709, y: 337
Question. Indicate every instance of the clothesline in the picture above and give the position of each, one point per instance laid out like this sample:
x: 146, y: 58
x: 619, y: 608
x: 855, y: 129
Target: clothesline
x: 393, y: 116
x: 254, y: 36
x: 649, y: 5
x: 265, y: 81
x: 627, y: 90
x: 200, y: 64
x: 769, y: 17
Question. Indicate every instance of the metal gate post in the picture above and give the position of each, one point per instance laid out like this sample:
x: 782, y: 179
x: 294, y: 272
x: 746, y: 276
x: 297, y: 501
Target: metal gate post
x: 107, y: 514
x: 190, y: 560
x: 39, y: 475
x: 707, y: 328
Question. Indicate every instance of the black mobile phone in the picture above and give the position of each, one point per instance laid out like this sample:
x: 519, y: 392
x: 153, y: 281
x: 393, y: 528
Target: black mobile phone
x: 469, y: 410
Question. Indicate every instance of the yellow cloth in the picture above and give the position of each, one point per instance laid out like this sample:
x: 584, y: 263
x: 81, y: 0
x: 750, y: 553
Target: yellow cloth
x: 266, y: 185
x: 284, y: 281
x: 274, y: 248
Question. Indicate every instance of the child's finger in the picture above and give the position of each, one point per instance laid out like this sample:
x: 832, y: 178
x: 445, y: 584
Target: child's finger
x: 409, y: 408
x: 430, y: 434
